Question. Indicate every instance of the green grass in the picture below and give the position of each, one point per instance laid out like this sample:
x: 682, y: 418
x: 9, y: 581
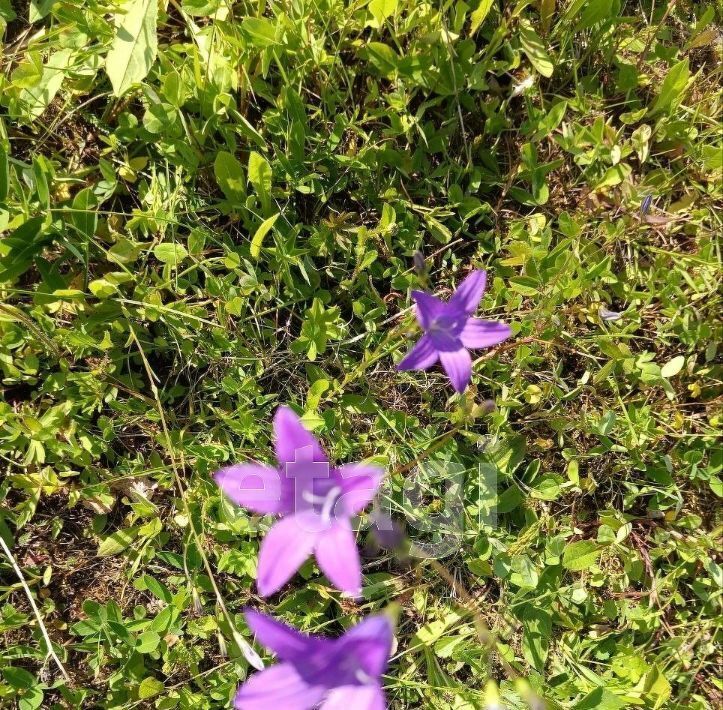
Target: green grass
x: 230, y: 225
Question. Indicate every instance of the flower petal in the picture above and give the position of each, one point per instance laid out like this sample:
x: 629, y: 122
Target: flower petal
x: 421, y: 356
x: 428, y: 308
x: 359, y: 483
x: 284, y: 549
x: 355, y: 697
x: 292, y: 441
x: 469, y: 293
x: 252, y: 486
x: 479, y: 333
x: 278, y: 687
x: 338, y: 557
x: 286, y: 642
x: 370, y: 642
x: 458, y: 365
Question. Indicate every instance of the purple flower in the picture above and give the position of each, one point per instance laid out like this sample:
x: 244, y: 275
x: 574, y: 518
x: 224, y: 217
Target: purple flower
x: 450, y: 331
x: 607, y: 315
x: 333, y: 674
x: 316, y: 501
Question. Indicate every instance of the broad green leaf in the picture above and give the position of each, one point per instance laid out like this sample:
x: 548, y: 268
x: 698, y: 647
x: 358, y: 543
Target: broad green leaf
x: 170, y: 253
x: 524, y: 573
x: 656, y: 687
x: 580, y: 555
x: 42, y: 175
x: 261, y: 232
x: 84, y: 215
x: 116, y: 542
x: 202, y: 8
x: 149, y: 688
x: 573, y: 472
x: 39, y: 9
x: 536, y: 637
x: 596, y: 11
x: 600, y: 699
x: 614, y: 175
x: 479, y: 15
x: 147, y: 642
x: 382, y: 57
x: 259, y: 31
x: 381, y: 9
x: 19, y: 678
x: 553, y: 119
x: 673, y: 86
x: 230, y: 176
x: 673, y: 367
x: 260, y: 176
x: 155, y: 587
x: 535, y: 50
x: 102, y: 288
x: 135, y: 45
x: 33, y: 100
x: 18, y: 250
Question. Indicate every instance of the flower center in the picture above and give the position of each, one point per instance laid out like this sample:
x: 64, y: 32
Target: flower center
x: 327, y: 502
x: 445, y: 329
x: 362, y: 677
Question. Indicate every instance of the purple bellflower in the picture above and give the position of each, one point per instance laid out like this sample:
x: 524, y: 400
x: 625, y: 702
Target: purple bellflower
x: 331, y: 674
x: 316, y: 502
x: 451, y: 331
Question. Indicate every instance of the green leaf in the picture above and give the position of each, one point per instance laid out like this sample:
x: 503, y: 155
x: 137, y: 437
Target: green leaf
x: 260, y: 176
x: 39, y: 9
x: 135, y: 45
x: 19, y: 678
x: 149, y: 688
x: 656, y: 687
x: 36, y: 98
x: 320, y: 325
x: 600, y: 699
x: 32, y: 699
x: 573, y: 472
x: 536, y: 637
x: 157, y: 588
x: 147, y: 642
x: 18, y: 250
x: 479, y: 15
x: 259, y: 31
x: 524, y: 573
x: 381, y: 9
x: 382, y: 57
x: 553, y: 119
x: 596, y: 11
x: 614, y: 176
x: 671, y: 91
x: 201, y: 8
x: 4, y: 174
x: 102, y: 288
x: 261, y: 232
x: 230, y: 177
x: 84, y: 215
x: 170, y: 253
x: 117, y: 542
x: 673, y: 367
x: 535, y: 50
x: 580, y: 555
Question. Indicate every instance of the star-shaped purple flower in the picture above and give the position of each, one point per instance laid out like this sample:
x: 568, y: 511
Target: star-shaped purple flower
x: 331, y: 674
x: 450, y: 331
x: 316, y: 502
